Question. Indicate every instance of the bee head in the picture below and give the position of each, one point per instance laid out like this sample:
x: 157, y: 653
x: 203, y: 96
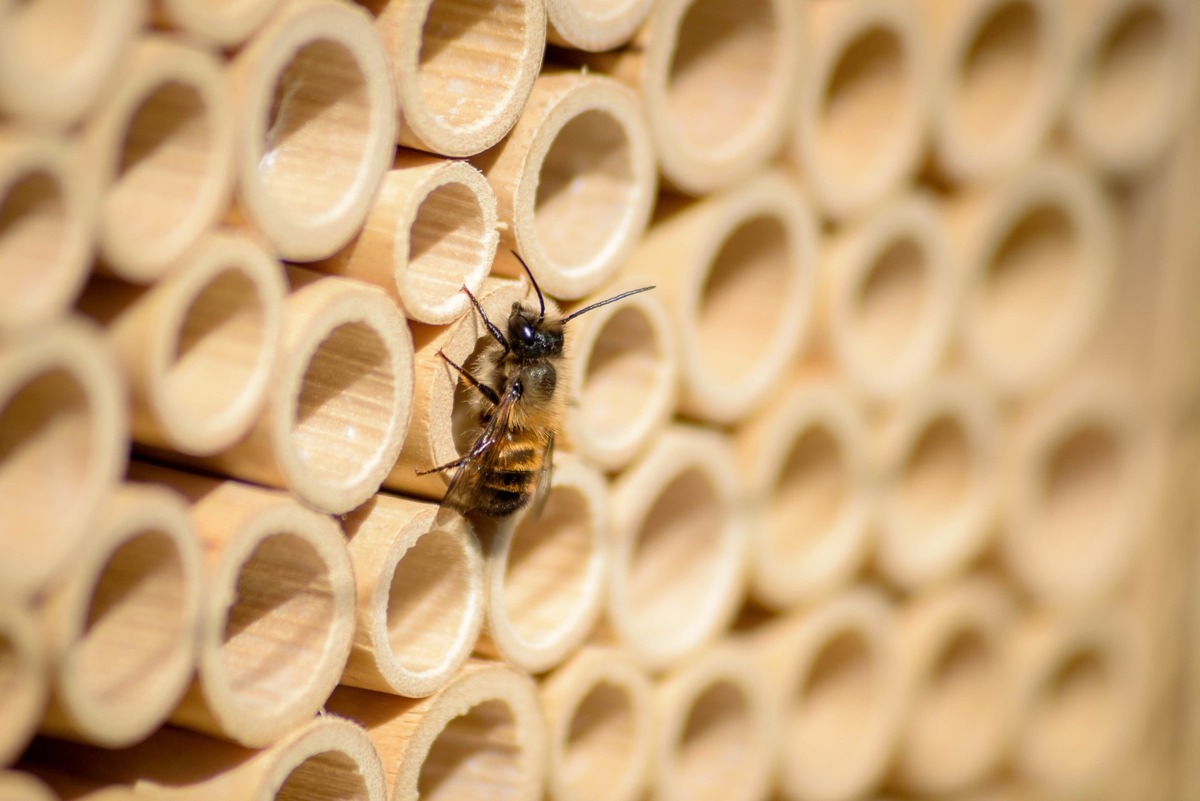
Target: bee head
x: 532, y: 336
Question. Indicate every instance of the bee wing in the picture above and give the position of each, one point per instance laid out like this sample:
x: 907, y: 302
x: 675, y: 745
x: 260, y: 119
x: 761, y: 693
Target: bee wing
x: 545, y: 475
x: 481, y: 459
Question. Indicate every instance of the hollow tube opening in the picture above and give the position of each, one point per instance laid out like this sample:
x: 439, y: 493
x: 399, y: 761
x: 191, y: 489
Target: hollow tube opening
x: 476, y: 757
x: 428, y: 601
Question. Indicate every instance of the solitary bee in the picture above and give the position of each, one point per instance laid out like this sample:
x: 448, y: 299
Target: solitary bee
x: 518, y: 409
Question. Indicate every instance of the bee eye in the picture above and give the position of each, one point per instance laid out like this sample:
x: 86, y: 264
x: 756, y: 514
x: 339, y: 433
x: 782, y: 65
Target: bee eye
x: 526, y: 333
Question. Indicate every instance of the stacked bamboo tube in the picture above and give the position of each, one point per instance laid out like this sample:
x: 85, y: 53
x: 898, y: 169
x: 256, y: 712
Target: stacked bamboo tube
x: 866, y: 499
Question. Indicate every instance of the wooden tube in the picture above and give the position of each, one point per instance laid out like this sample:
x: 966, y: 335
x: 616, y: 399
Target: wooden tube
x: 599, y: 723
x: 430, y: 232
x: 889, y: 299
x: 339, y: 400
x: 575, y: 180
x: 199, y: 345
x: 463, y: 70
x: 316, y: 120
x: 863, y: 102
x: 833, y: 669
x: 431, y: 439
x: 737, y: 273
x: 56, y: 59
x: 679, y: 559
x: 480, y: 737
x: 939, y: 468
x: 18, y: 786
x: 999, y: 75
x: 717, y: 81
x: 806, y: 467
x: 1080, y: 684
x: 47, y: 216
x: 622, y: 372
x: 594, y: 25
x: 715, y: 729
x: 957, y: 687
x: 63, y: 445
x: 1037, y: 252
x: 279, y: 609
x: 420, y: 596
x: 326, y: 759
x: 121, y: 628
x: 225, y: 24
x: 1082, y: 480
x: 25, y: 676
x: 1135, y: 72
x: 545, y: 574
x: 162, y: 143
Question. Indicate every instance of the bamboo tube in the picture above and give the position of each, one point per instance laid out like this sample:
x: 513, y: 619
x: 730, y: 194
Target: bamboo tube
x: 226, y: 24
x: 737, y: 273
x: 463, y: 71
x: 198, y: 346
x: 121, y: 628
x: 1037, y: 251
x: 939, y: 467
x: 575, y: 180
x: 430, y: 232
x: 47, y: 213
x: 833, y: 669
x: 999, y: 75
x: 1080, y: 685
x: 679, y: 559
x: 56, y: 59
x: 433, y: 436
x: 420, y: 596
x: 24, y: 677
x: 17, y: 786
x: 1081, y: 488
x: 545, y: 573
x: 316, y: 121
x: 478, y: 738
x: 279, y: 609
x: 715, y: 729
x: 63, y: 435
x: 327, y: 759
x: 863, y: 102
x: 594, y: 25
x: 162, y: 144
x: 956, y: 686
x: 806, y: 466
x: 717, y: 81
x: 889, y: 298
x: 339, y: 400
x: 1135, y: 69
x: 599, y: 725
x: 622, y: 375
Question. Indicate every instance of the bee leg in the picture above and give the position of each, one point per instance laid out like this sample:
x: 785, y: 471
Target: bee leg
x: 491, y: 327
x: 453, y: 463
x: 484, y: 389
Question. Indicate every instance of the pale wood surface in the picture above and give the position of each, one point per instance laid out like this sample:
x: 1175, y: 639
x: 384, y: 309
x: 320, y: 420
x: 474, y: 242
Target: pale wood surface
x: 65, y: 435
x: 315, y: 112
x: 198, y: 347
x: 420, y: 589
x: 24, y: 672
x: 432, y: 230
x: 279, y: 604
x: 599, y: 725
x: 121, y: 628
x: 226, y: 24
x: 162, y: 145
x: 575, y: 181
x: 49, y: 209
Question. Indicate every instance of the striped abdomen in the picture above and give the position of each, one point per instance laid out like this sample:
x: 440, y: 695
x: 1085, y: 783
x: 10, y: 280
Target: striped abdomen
x: 518, y: 468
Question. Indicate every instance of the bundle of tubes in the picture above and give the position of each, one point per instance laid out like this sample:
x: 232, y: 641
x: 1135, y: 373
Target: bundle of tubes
x: 845, y: 508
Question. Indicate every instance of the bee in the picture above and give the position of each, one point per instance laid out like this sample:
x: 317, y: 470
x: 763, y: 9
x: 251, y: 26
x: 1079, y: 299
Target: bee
x: 517, y: 408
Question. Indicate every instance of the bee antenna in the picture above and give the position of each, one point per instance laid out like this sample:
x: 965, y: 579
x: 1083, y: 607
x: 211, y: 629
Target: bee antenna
x: 536, y: 288
x: 613, y: 299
